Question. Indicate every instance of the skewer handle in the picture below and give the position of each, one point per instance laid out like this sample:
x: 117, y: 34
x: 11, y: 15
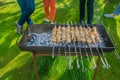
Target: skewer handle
x: 83, y: 67
x: 107, y: 65
x: 53, y: 52
x: 70, y: 64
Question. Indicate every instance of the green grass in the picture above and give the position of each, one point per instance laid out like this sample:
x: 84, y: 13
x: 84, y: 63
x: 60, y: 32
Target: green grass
x: 18, y: 65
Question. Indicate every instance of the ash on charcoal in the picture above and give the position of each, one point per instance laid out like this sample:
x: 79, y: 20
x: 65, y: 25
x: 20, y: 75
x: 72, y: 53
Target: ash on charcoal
x: 44, y: 39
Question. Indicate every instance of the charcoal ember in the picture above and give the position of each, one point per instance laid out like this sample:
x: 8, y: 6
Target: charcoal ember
x: 32, y: 38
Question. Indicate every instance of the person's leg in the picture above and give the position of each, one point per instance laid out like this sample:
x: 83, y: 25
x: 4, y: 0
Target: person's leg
x: 23, y: 5
x: 82, y: 10
x: 90, y: 10
x: 117, y: 10
x: 29, y: 21
x: 53, y: 10
x: 46, y: 8
x: 29, y: 9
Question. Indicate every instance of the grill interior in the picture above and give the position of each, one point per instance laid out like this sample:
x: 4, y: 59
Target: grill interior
x: 40, y: 40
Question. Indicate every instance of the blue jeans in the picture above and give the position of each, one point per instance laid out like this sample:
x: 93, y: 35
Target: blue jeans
x: 117, y: 11
x: 27, y: 8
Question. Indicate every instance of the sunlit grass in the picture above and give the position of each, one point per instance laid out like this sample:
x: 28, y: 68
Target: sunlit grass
x: 18, y: 65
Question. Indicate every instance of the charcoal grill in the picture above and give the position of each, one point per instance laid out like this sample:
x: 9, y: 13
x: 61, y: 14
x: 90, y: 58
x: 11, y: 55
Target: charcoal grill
x: 47, y: 49
x: 46, y: 28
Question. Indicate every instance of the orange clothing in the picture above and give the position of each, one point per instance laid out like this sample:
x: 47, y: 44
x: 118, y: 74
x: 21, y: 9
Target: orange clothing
x: 50, y: 9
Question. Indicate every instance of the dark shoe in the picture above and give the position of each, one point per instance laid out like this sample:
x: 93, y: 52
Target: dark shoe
x: 19, y: 28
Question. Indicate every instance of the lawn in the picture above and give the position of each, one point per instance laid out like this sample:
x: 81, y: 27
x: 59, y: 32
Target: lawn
x: 18, y: 65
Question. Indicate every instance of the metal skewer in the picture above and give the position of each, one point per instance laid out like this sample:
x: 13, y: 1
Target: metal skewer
x: 77, y: 61
x: 113, y: 41
x: 107, y: 65
x: 91, y: 52
x: 87, y: 57
x: 116, y: 53
x: 83, y: 68
x: 64, y: 43
x: 65, y: 49
x: 59, y: 48
x: 70, y: 61
x: 92, y: 56
x: 53, y: 51
x: 104, y: 65
x: 53, y: 47
x: 85, y: 52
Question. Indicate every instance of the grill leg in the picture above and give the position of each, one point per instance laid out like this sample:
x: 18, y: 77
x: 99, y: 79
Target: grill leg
x: 35, y: 66
x: 96, y: 70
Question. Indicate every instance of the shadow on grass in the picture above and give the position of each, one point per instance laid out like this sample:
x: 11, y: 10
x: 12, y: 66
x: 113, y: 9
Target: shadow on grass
x: 20, y: 69
x: 44, y: 64
x: 3, y: 3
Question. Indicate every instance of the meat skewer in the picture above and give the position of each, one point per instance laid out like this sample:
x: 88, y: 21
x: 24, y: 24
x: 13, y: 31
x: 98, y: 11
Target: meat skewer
x: 68, y: 41
x: 54, y: 32
x: 77, y: 34
x: 63, y: 34
x: 82, y: 43
x: 68, y: 37
x: 59, y: 33
x: 82, y: 35
x: 91, y: 52
x: 64, y: 37
x: 98, y: 39
x: 79, y: 39
x: 73, y: 37
x: 74, y: 40
x: 59, y: 36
